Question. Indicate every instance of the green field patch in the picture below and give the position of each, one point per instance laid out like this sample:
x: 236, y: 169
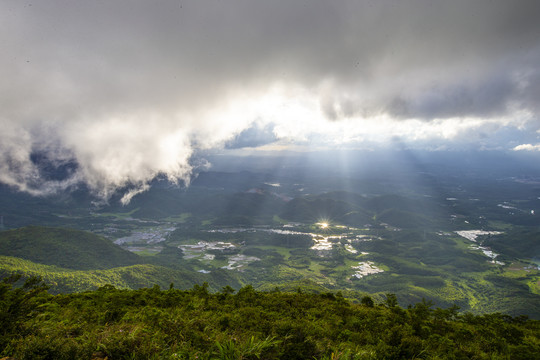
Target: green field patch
x: 217, y: 262
x: 519, y: 266
x: 286, y: 252
x: 517, y: 274
x: 499, y: 225
x: 117, y: 216
x: 452, y: 292
x: 286, y: 274
x: 534, y: 285
x: 145, y: 250
x: 316, y: 267
x: 186, y: 241
x: 278, y: 220
x: 461, y: 243
x: 383, y: 267
x: 526, y: 273
x: 351, y: 262
x: 343, y: 268
x: 64, y: 216
x: 180, y: 219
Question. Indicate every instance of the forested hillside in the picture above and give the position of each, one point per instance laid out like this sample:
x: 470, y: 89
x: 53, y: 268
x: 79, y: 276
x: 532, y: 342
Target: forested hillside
x: 62, y: 247
x: 62, y: 280
x: 151, y: 323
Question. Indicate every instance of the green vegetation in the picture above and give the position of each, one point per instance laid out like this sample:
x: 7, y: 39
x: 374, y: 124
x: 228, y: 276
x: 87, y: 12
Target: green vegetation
x: 516, y: 243
x: 338, y: 300
x: 151, y: 323
x: 61, y: 280
x: 408, y: 233
x: 117, y: 215
x: 415, y: 264
x: 180, y: 219
x: 64, y: 247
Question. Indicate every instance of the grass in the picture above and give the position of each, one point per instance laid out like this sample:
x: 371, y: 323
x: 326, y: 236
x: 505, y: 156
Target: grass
x: 534, y: 285
x: 451, y: 291
x: 316, y: 267
x: 217, y: 263
x: 279, y: 220
x: 118, y: 216
x: 189, y: 241
x: 286, y: 252
x: 462, y: 243
x: 523, y: 272
x: 146, y: 252
x: 499, y: 225
x: 179, y: 219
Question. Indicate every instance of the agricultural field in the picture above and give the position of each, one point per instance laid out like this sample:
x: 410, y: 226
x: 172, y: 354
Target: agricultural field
x: 474, y: 245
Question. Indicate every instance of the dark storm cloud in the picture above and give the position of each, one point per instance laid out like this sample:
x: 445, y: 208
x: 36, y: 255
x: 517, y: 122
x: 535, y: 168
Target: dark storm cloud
x: 124, y: 53
x: 130, y: 89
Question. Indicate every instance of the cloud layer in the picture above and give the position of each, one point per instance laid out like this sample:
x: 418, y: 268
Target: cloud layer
x: 129, y: 90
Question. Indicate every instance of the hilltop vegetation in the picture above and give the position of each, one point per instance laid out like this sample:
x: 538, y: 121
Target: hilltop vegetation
x: 151, y: 323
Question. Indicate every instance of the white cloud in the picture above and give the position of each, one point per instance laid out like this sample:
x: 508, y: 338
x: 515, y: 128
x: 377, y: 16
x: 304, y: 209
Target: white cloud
x: 527, y: 147
x: 129, y: 90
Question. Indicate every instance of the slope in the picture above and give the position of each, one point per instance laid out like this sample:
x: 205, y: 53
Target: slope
x: 68, y: 248
x: 63, y: 280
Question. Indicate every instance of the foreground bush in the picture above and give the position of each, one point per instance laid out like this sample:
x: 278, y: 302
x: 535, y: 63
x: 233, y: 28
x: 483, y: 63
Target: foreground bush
x: 195, y: 324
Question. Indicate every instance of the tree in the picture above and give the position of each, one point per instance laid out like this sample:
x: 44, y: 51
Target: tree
x: 367, y: 301
x: 391, y: 300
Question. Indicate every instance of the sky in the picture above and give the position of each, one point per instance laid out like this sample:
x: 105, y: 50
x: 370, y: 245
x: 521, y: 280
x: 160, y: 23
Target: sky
x: 130, y: 90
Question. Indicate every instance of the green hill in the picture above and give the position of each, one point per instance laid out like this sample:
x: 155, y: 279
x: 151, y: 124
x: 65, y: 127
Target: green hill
x: 316, y: 208
x: 67, y: 248
x: 402, y: 219
x: 353, y: 209
x: 63, y: 280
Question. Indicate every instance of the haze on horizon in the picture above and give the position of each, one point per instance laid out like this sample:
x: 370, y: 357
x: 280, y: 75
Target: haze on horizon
x: 129, y: 90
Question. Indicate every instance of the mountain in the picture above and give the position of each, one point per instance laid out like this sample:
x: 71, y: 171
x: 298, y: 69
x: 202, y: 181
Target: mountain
x: 268, y: 231
x: 356, y: 210
x: 67, y: 248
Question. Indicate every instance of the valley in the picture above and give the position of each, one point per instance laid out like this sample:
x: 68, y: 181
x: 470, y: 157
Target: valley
x: 329, y: 180
x: 456, y: 246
